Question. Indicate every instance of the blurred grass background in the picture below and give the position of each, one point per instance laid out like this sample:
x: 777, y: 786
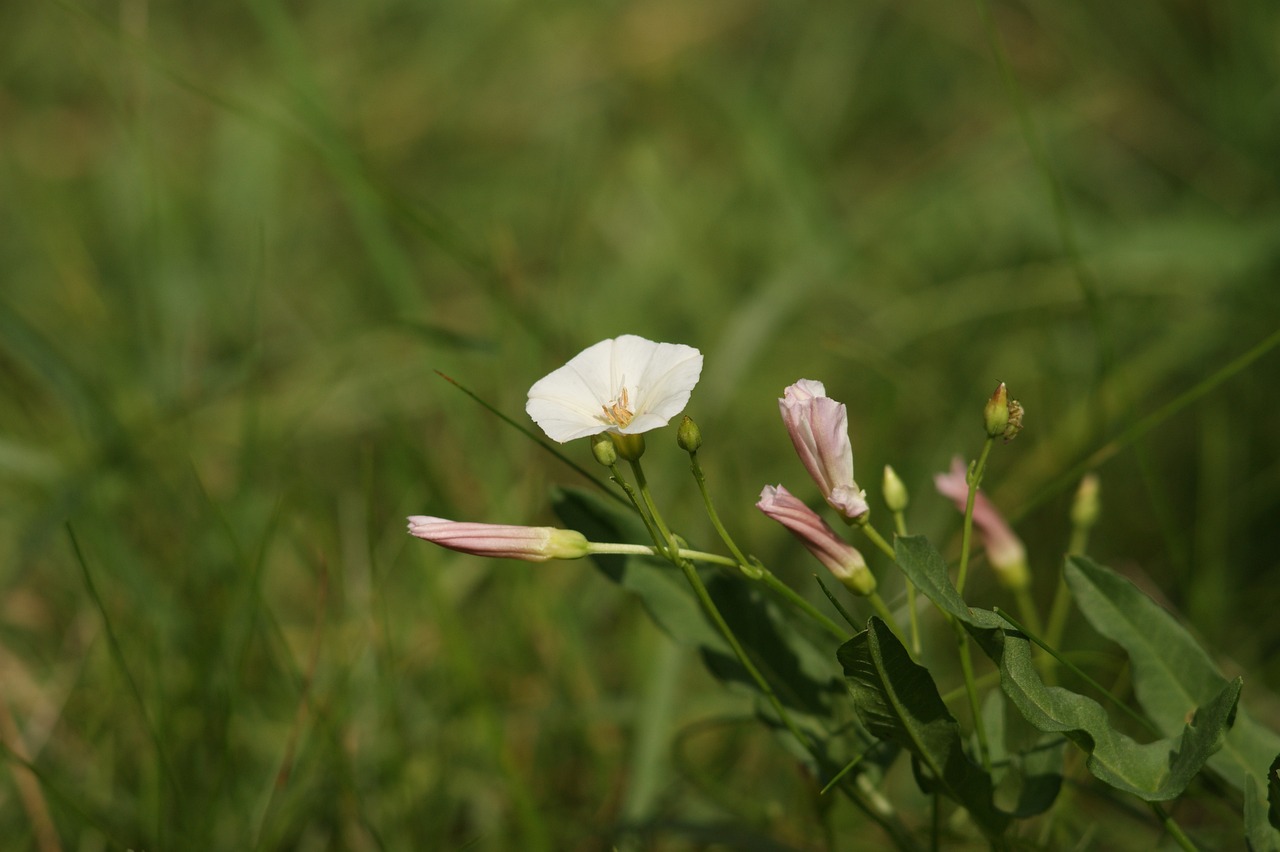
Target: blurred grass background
x: 239, y: 238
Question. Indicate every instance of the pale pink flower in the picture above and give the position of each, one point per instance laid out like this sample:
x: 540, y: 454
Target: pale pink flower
x: 626, y: 385
x: 498, y: 541
x: 840, y: 557
x: 1005, y: 551
x: 819, y: 429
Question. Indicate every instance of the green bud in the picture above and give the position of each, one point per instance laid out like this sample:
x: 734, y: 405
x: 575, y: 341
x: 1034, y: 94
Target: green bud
x: 629, y: 447
x: 895, y: 492
x: 1086, y: 507
x: 689, y: 436
x: 604, y: 451
x: 995, y: 417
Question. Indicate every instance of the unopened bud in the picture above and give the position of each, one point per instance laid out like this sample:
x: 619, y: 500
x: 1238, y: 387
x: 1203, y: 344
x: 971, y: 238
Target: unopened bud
x: 603, y: 449
x: 689, y: 436
x: 629, y: 447
x: 1086, y: 505
x: 995, y: 417
x: 895, y: 492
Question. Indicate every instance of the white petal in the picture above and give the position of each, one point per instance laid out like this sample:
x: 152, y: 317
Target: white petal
x: 658, y: 378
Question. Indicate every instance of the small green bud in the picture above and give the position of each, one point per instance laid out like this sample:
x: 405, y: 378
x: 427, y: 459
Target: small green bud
x: 895, y: 492
x: 689, y: 436
x: 629, y: 447
x: 995, y: 417
x: 604, y: 451
x: 1086, y: 506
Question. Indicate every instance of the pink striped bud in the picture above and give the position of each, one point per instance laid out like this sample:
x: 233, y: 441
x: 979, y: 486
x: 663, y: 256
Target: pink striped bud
x: 498, y: 541
x: 840, y: 557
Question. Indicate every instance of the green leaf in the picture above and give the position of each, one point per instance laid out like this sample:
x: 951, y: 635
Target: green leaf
x: 1155, y: 771
x: 898, y: 701
x: 1260, y: 832
x: 798, y: 663
x: 926, y: 568
x: 1031, y: 781
x: 1172, y: 674
x: 1273, y: 793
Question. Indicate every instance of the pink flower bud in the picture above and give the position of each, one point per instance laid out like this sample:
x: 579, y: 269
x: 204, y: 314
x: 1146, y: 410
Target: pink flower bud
x: 819, y: 429
x: 840, y: 557
x: 534, y: 544
x: 1005, y: 551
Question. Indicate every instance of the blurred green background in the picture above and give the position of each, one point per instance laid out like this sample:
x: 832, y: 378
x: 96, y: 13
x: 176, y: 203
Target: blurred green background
x: 239, y: 238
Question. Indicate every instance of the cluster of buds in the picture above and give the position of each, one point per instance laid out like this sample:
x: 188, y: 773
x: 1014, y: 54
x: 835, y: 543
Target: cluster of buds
x: 618, y: 389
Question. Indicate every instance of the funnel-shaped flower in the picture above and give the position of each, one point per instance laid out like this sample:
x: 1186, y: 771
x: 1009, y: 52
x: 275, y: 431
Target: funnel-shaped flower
x: 1005, y: 552
x: 840, y: 557
x: 498, y: 541
x: 626, y: 385
x: 819, y: 428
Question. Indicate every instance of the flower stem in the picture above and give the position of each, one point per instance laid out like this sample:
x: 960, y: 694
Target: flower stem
x: 752, y: 568
x: 1175, y: 831
x: 974, y: 479
x: 878, y: 540
x: 672, y: 552
x: 1061, y: 605
x: 617, y: 477
x: 900, y: 528
x: 696, y: 469
x: 971, y: 689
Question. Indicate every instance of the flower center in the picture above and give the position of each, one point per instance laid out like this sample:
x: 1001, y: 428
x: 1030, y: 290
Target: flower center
x: 618, y: 412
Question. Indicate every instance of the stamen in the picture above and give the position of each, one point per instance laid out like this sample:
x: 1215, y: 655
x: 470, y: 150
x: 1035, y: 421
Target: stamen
x: 619, y: 411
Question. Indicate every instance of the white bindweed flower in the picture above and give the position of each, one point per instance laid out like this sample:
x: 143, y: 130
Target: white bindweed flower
x: 626, y: 385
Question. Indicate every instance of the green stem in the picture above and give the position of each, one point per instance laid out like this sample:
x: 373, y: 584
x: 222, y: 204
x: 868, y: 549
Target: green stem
x: 752, y: 568
x: 617, y: 477
x: 900, y: 527
x: 672, y: 551
x: 877, y: 603
x: 1061, y: 606
x: 696, y: 468
x: 783, y: 590
x: 974, y: 479
x: 1175, y: 831
x: 713, y: 613
x: 1027, y: 607
x: 971, y: 689
x: 878, y: 540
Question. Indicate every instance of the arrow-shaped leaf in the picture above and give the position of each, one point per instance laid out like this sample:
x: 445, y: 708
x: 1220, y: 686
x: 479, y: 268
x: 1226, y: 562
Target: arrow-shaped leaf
x: 898, y: 701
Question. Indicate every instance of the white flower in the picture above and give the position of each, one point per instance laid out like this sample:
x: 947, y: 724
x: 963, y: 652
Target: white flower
x: 626, y: 385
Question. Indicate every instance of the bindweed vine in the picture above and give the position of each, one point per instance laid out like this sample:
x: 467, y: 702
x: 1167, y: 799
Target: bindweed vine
x: 851, y: 704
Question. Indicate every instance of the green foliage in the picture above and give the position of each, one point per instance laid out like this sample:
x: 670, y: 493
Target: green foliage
x: 898, y: 701
x: 1172, y: 673
x: 239, y: 238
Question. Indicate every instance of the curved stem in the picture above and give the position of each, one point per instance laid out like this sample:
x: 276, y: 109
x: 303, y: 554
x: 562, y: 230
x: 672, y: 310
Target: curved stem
x: 711, y: 509
x: 878, y: 540
x: 617, y: 477
x: 752, y: 568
